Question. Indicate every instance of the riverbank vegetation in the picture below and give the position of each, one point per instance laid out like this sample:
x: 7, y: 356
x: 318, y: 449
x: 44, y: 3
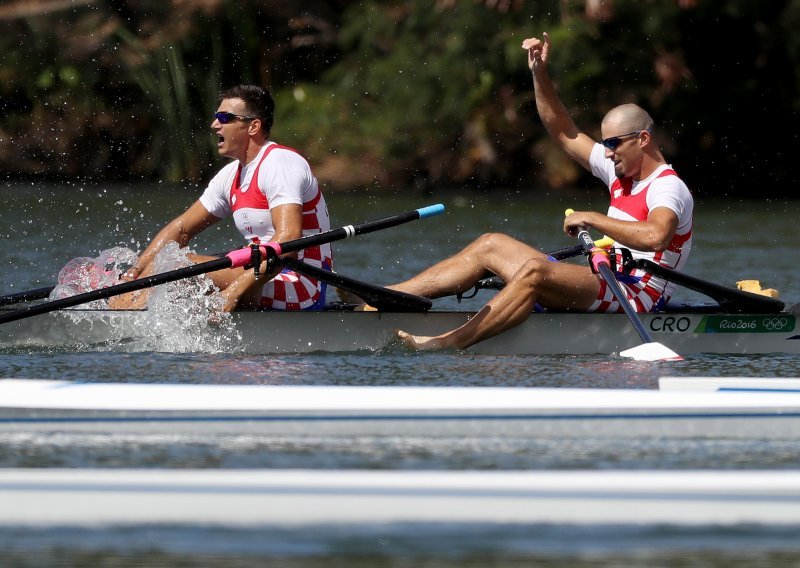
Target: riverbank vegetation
x: 383, y: 94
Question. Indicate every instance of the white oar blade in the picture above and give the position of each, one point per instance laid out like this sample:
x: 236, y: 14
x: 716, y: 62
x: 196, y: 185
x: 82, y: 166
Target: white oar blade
x: 651, y: 352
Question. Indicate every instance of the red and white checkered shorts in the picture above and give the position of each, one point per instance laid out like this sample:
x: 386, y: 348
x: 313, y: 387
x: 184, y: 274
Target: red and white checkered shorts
x: 292, y: 291
x: 641, y: 297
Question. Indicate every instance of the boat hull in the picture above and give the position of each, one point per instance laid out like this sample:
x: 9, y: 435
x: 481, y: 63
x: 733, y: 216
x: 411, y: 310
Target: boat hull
x: 343, y: 331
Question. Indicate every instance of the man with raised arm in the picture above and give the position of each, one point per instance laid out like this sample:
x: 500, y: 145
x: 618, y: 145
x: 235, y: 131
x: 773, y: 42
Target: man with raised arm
x: 650, y: 213
x: 272, y: 195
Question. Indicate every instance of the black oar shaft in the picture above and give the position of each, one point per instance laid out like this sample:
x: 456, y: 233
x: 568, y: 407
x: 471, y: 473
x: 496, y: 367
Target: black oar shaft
x: 124, y: 288
x: 359, y: 229
x: 27, y: 296
x: 729, y: 299
x: 378, y: 297
x: 236, y: 258
x: 604, y: 269
x: 567, y: 252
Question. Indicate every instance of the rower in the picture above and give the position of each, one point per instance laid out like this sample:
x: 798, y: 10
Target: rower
x: 272, y: 195
x: 650, y: 213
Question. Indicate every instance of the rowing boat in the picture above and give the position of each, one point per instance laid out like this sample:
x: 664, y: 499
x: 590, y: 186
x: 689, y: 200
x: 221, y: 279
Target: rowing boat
x: 741, y: 409
x: 686, y: 330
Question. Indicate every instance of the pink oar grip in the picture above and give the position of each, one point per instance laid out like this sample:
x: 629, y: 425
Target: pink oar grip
x: 597, y: 257
x: 241, y: 257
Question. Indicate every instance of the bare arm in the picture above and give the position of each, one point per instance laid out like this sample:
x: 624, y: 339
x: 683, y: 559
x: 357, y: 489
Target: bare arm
x: 654, y: 234
x: 180, y: 230
x: 554, y: 115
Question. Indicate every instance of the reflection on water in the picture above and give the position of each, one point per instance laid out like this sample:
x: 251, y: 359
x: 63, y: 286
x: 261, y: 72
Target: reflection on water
x: 406, y: 546
x: 442, y: 452
x: 363, y: 369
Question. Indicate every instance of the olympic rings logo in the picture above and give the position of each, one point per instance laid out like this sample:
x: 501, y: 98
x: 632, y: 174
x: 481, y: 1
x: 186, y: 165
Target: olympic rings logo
x: 776, y: 324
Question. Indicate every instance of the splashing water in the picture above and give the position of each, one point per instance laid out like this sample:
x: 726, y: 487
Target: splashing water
x: 181, y: 317
x: 84, y: 274
x: 117, y: 260
x: 187, y: 315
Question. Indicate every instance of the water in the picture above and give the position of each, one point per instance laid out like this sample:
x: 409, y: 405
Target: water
x: 42, y: 227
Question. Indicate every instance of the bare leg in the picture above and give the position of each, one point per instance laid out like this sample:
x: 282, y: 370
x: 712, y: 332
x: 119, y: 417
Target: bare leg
x: 492, y: 253
x: 554, y: 285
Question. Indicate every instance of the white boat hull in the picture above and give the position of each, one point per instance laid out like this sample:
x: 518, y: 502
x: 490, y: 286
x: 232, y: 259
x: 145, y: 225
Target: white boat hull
x: 337, y: 331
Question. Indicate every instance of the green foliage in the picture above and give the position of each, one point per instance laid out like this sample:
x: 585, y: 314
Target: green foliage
x: 412, y: 82
x: 390, y: 91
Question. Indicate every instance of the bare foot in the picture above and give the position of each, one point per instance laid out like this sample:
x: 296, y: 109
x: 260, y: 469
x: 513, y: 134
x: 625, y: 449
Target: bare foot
x: 421, y: 342
x: 364, y: 308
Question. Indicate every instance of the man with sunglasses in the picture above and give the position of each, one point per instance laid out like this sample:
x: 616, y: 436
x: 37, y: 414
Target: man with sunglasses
x: 650, y: 213
x: 272, y: 195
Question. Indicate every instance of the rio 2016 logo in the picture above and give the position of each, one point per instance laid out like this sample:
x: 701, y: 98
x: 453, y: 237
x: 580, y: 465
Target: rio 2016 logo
x: 738, y: 325
x: 723, y: 324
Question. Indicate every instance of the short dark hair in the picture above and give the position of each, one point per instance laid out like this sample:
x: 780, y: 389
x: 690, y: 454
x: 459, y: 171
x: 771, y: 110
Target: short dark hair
x: 257, y: 102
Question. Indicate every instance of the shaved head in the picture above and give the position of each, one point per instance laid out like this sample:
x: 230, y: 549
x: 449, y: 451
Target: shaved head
x: 627, y: 118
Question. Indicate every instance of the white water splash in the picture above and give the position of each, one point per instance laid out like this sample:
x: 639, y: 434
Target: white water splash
x: 186, y: 315
x: 182, y: 317
x: 84, y: 274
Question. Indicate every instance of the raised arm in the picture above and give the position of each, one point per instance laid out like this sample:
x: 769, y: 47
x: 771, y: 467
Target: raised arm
x: 553, y: 113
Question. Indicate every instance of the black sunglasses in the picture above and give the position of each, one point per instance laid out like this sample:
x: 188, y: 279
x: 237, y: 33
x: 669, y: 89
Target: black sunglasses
x: 226, y: 117
x: 613, y: 142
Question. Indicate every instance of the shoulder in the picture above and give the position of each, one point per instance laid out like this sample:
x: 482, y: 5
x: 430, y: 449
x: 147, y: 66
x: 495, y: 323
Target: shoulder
x: 601, y: 167
x: 284, y: 155
x: 224, y: 177
x: 215, y: 197
x: 668, y: 190
x: 284, y: 167
x: 666, y: 179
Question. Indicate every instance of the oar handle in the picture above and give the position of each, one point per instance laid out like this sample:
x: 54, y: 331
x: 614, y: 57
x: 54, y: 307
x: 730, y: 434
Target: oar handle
x: 594, y: 249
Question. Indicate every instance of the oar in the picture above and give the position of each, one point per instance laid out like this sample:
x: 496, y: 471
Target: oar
x: 649, y: 350
x: 234, y: 259
x: 378, y: 297
x: 28, y: 296
x: 729, y: 299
